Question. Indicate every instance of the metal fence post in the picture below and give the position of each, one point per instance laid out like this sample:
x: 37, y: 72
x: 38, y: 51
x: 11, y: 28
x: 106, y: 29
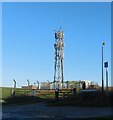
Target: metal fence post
x: 56, y: 94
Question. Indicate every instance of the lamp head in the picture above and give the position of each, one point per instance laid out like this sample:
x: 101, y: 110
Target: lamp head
x: 103, y: 43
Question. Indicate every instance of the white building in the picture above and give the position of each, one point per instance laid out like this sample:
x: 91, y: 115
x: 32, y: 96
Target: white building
x: 81, y: 84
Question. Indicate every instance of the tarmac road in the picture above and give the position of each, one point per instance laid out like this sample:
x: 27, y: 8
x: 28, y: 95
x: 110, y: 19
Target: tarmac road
x: 40, y: 110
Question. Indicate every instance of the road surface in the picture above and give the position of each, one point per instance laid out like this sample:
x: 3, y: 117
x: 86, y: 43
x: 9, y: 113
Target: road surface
x: 40, y: 110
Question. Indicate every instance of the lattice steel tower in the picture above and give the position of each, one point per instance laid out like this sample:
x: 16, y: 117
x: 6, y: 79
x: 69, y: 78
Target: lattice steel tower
x: 59, y: 58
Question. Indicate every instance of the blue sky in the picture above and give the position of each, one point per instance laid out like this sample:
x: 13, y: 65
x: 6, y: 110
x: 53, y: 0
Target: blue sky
x: 28, y: 40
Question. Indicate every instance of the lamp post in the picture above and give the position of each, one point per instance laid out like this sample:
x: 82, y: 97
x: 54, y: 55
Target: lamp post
x: 103, y: 66
x: 106, y: 66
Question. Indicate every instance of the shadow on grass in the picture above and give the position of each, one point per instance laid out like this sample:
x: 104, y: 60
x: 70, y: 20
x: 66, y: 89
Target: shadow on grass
x: 92, y: 99
x: 23, y: 100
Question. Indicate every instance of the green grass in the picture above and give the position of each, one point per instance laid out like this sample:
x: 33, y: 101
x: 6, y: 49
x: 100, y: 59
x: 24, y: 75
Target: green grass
x: 6, y: 92
x: 83, y: 99
x: 24, y: 96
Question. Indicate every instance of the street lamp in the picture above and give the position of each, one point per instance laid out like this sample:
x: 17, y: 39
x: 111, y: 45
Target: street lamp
x: 106, y: 66
x: 103, y: 66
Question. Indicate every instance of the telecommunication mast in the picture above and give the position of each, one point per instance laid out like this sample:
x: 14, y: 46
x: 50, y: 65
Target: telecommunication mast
x: 59, y: 58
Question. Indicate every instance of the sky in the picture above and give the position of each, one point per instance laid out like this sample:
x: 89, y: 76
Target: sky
x: 28, y: 40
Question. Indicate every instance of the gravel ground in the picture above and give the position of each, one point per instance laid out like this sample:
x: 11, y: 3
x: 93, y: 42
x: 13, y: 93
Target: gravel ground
x: 40, y: 110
